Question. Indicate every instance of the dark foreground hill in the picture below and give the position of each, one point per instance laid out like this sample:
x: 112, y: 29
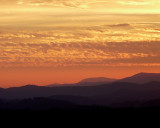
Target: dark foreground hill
x: 104, y: 100
x: 35, y: 104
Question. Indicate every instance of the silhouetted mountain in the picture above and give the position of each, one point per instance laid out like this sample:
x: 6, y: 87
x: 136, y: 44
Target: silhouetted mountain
x: 139, y: 91
x: 61, y: 85
x: 142, y: 78
x: 88, y: 82
x: 106, y: 94
x: 97, y: 79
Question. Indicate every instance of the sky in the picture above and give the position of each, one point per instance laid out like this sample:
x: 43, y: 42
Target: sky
x: 63, y: 41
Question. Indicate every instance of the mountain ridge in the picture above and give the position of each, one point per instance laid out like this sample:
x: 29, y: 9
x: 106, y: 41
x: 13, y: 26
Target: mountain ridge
x: 97, y: 79
x: 105, y: 94
x: 142, y: 78
x: 88, y: 82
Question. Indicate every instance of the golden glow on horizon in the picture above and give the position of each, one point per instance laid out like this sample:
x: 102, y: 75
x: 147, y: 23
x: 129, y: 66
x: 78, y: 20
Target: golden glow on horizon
x: 76, y: 34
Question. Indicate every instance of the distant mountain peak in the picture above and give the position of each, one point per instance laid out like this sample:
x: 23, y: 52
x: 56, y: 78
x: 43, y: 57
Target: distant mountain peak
x: 141, y: 73
x: 97, y: 79
x: 147, y: 73
x: 88, y: 82
x: 29, y: 85
x: 142, y: 77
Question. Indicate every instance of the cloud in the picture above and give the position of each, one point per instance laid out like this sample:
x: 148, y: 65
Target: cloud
x: 102, y: 44
x: 134, y: 2
x: 8, y: 1
x: 58, y: 3
x: 81, y: 3
x: 67, y: 54
x: 120, y: 25
x: 53, y: 3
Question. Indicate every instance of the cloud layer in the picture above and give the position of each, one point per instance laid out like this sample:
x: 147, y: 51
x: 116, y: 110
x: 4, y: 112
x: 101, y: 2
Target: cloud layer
x: 152, y: 4
x: 110, y: 45
x: 90, y: 36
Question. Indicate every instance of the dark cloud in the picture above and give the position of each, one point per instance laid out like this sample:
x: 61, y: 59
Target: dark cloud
x: 120, y: 25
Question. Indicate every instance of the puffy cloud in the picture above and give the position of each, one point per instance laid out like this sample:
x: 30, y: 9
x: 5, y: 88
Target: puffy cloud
x: 82, y: 54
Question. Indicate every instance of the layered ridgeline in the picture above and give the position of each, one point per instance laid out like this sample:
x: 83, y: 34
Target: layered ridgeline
x: 142, y: 78
x: 135, y: 89
x: 88, y: 82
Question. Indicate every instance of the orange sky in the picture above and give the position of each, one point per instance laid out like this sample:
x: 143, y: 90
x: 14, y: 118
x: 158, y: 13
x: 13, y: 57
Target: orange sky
x: 64, y: 41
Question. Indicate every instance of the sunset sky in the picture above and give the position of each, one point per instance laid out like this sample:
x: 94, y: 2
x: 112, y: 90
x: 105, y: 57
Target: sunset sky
x: 64, y: 41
